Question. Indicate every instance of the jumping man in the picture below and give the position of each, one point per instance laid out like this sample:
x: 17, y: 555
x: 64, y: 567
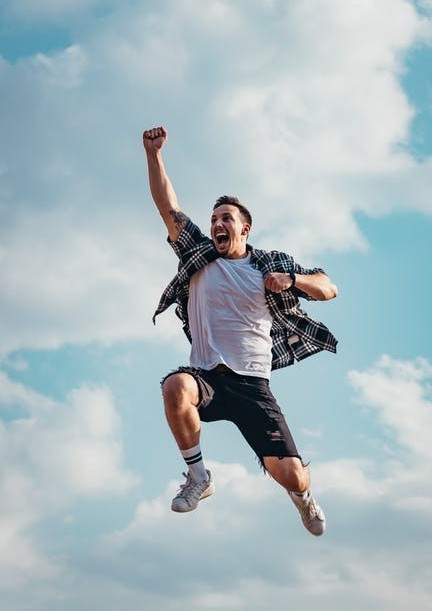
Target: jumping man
x: 240, y: 310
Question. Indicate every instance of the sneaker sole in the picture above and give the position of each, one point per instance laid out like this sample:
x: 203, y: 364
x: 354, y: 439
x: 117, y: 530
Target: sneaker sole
x: 208, y: 492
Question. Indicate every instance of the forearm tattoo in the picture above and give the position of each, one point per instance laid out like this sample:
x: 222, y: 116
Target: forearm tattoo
x: 180, y: 218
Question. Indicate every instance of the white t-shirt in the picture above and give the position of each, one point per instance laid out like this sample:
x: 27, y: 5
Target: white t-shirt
x: 229, y: 318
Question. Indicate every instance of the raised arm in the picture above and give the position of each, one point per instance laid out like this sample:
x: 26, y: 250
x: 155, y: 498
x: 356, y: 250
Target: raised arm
x: 160, y: 185
x: 319, y: 286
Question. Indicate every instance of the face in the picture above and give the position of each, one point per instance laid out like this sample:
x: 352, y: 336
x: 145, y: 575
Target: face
x: 229, y: 232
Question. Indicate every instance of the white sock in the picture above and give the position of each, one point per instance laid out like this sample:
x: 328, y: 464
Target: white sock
x: 302, y: 495
x: 195, y: 463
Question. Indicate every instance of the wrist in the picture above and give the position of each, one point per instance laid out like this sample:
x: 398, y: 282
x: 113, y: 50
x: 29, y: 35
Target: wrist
x: 293, y: 279
x: 153, y: 153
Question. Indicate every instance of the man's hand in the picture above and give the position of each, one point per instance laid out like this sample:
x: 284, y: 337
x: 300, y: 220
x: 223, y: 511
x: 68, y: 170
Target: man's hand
x: 318, y: 286
x: 277, y: 282
x: 154, y: 139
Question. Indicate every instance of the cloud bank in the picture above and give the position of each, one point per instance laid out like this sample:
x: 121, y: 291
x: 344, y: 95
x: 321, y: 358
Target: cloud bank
x: 52, y: 454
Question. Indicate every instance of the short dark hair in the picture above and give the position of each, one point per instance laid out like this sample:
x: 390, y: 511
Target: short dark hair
x: 230, y: 200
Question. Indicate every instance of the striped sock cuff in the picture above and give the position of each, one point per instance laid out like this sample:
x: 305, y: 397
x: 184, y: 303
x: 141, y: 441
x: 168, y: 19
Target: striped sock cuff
x: 192, y: 460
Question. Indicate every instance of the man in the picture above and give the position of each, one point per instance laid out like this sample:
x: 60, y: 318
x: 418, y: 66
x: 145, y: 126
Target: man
x: 240, y: 310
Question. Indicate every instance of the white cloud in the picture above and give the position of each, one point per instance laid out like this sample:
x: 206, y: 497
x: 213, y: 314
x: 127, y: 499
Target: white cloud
x: 64, y: 69
x: 66, y: 280
x: 326, y: 133
x: 354, y: 478
x: 233, y: 481
x: 52, y: 454
x: 394, y: 469
x: 399, y: 392
x: 245, y: 537
x: 398, y: 473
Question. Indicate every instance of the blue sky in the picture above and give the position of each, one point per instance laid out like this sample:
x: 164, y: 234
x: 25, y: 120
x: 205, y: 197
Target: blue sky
x: 318, y: 115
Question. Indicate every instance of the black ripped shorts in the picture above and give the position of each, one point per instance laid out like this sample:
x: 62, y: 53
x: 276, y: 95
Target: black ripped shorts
x: 248, y: 402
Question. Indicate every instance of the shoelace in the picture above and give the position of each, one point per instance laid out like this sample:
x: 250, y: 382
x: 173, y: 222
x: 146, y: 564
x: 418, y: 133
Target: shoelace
x: 189, y: 487
x: 311, y: 510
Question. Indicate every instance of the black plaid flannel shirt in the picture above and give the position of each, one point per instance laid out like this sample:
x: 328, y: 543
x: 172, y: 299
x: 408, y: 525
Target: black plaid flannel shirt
x: 295, y: 336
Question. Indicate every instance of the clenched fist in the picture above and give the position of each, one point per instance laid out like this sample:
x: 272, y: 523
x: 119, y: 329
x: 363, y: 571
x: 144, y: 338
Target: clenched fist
x: 154, y: 139
x: 278, y: 282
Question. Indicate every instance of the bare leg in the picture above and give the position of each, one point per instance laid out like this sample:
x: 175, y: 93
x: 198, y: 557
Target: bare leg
x: 289, y: 472
x: 181, y: 397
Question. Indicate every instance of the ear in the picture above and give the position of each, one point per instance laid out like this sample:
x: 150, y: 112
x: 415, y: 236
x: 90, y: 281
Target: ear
x: 246, y: 229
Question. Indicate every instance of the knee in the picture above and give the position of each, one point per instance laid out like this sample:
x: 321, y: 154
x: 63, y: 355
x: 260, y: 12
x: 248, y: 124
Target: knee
x: 289, y: 472
x: 299, y: 477
x: 179, y: 389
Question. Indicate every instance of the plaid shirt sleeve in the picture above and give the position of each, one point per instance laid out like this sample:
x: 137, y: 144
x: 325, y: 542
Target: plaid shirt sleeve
x: 276, y: 261
x: 295, y: 335
x: 194, y: 250
x: 190, y: 236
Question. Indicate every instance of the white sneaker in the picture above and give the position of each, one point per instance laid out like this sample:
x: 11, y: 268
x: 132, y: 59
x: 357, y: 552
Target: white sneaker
x: 191, y: 492
x: 311, y: 513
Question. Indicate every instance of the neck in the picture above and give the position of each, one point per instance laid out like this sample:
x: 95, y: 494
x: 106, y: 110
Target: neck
x: 238, y: 256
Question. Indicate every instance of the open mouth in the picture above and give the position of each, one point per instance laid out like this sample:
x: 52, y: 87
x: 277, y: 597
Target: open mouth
x: 221, y: 238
